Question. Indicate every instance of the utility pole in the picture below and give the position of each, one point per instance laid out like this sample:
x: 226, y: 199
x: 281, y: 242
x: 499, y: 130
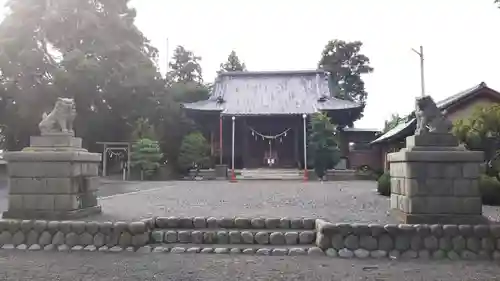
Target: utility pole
x: 166, y: 70
x: 421, y: 55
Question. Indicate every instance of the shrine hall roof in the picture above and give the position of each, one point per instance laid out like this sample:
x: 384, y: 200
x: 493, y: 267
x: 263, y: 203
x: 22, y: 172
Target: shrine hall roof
x: 272, y: 93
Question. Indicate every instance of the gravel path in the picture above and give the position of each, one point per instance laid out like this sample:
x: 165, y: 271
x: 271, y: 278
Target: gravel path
x: 49, y: 266
x: 353, y: 201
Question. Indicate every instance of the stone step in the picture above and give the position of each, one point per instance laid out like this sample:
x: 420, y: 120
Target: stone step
x: 267, y: 250
x: 232, y: 223
x: 227, y: 236
x: 270, y: 177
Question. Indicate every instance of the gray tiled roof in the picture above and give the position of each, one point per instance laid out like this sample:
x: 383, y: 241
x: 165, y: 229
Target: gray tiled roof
x: 443, y: 105
x: 272, y: 93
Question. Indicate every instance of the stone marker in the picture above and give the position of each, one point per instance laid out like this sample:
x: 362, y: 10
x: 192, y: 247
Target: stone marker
x: 54, y: 178
x: 433, y: 179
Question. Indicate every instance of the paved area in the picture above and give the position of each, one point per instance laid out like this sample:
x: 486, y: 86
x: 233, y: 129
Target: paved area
x: 48, y: 266
x: 353, y: 201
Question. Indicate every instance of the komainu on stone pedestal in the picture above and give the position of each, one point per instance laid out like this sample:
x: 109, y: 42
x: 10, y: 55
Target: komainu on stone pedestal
x: 433, y: 179
x: 60, y: 119
x: 55, y: 178
x: 429, y: 117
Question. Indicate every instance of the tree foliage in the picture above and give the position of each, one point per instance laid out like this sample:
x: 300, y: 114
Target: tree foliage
x: 184, y: 67
x: 392, y: 122
x: 86, y: 49
x: 233, y: 63
x: 146, y: 156
x: 346, y: 65
x: 143, y: 129
x: 194, y: 151
x: 323, y: 144
x: 478, y: 131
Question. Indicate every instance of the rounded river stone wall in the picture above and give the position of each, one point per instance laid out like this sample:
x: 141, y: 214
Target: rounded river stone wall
x: 270, y: 237
x: 409, y: 241
x: 233, y: 223
x: 39, y: 233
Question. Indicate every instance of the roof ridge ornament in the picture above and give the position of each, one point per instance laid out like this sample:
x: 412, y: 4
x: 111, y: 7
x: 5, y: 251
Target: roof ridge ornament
x: 220, y: 99
x: 323, y: 98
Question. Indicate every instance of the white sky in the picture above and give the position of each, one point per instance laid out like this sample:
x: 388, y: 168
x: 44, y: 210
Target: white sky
x: 460, y: 39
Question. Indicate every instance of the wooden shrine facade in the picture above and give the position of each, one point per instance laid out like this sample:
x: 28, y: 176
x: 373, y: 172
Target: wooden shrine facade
x: 269, y: 110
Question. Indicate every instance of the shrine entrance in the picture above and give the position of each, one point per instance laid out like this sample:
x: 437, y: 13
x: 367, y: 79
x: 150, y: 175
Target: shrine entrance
x: 270, y: 143
x: 271, y: 150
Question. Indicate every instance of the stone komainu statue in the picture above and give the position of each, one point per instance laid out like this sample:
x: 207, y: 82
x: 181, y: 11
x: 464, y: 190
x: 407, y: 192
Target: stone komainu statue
x: 429, y: 117
x: 60, y: 119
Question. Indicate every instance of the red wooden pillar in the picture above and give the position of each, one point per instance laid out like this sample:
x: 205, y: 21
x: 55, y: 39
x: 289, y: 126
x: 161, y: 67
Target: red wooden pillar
x: 220, y: 140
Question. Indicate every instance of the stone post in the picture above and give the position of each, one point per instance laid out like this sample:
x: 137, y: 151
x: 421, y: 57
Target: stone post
x: 434, y: 180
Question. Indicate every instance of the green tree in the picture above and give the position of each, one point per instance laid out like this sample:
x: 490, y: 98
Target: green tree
x: 143, y: 129
x: 86, y: 49
x: 146, y: 156
x: 392, y: 122
x: 346, y: 65
x: 323, y: 145
x: 185, y: 92
x: 481, y: 130
x: 194, y: 150
x: 184, y: 67
x: 233, y: 63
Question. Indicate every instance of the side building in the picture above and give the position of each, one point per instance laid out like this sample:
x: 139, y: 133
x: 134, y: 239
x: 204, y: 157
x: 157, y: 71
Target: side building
x: 455, y: 107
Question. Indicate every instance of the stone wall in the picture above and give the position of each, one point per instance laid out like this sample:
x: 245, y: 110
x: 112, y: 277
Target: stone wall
x: 260, y: 236
x: 36, y: 235
x: 233, y: 222
x: 409, y: 241
x: 259, y: 231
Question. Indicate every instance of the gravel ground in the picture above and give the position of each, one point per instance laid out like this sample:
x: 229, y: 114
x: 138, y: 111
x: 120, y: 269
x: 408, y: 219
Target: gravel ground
x: 353, y: 201
x: 49, y: 266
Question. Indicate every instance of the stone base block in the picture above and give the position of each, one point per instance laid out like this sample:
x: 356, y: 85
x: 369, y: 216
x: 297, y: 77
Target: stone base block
x: 221, y: 171
x: 52, y: 215
x: 432, y: 140
x: 55, y: 141
x: 406, y: 218
x: 457, y: 156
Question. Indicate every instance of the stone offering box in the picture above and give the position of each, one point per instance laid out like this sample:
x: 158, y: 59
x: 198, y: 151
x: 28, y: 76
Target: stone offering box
x: 54, y: 178
x: 434, y: 180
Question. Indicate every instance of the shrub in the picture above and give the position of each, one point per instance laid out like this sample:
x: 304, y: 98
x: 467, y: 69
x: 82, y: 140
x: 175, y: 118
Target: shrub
x: 490, y: 190
x: 384, y: 184
x: 194, y: 152
x: 323, y: 144
x: 146, y: 156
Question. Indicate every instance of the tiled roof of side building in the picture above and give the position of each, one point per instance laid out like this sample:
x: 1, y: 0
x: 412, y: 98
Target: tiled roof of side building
x: 443, y: 105
x: 272, y: 93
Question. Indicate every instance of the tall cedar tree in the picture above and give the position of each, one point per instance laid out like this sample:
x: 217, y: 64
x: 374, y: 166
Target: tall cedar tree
x: 233, y: 63
x: 184, y: 67
x: 345, y: 65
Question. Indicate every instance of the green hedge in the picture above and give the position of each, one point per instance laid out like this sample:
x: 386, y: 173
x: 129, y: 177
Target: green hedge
x: 490, y: 190
x: 384, y: 184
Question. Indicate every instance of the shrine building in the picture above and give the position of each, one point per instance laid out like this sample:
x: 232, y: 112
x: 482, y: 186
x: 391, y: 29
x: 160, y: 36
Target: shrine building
x: 256, y: 119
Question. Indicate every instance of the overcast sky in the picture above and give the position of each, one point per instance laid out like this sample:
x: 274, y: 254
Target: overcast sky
x: 461, y: 40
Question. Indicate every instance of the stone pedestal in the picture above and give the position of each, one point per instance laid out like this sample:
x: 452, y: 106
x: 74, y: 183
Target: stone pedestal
x: 221, y: 171
x: 433, y: 180
x: 53, y: 179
